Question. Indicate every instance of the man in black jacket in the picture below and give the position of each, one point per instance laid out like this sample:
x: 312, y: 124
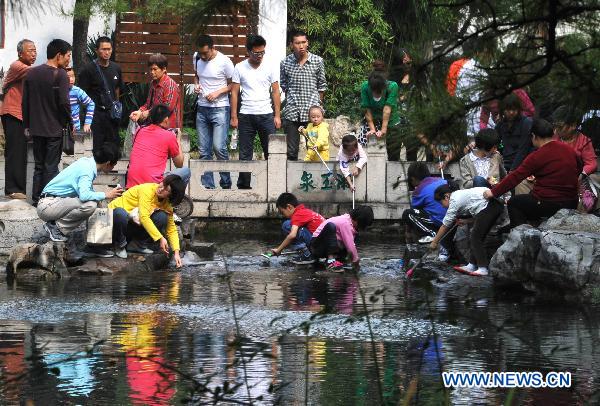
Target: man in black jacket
x: 103, y: 92
x: 47, y: 112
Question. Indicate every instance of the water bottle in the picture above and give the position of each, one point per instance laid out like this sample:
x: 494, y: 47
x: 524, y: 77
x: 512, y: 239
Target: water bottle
x: 234, y: 139
x: 372, y: 139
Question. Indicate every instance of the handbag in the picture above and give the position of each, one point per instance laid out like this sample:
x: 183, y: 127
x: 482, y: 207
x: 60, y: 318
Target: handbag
x: 115, y: 107
x: 68, y: 144
x: 588, y: 193
x: 100, y: 226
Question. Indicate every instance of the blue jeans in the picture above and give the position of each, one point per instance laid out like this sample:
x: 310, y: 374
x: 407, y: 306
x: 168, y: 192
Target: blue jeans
x: 249, y: 125
x: 184, y: 173
x: 480, y: 181
x: 212, y: 124
x: 124, y: 230
x: 303, y: 236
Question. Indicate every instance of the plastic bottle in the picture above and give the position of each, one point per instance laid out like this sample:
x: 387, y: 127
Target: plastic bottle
x: 372, y: 139
x: 234, y: 139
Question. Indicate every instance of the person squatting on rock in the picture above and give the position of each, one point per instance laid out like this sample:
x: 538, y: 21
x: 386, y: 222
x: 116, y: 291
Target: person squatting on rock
x: 78, y: 97
x: 426, y: 214
x: 47, y: 112
x: 334, y: 238
x: 469, y: 202
x: 212, y: 84
x: 152, y: 147
x: 302, y: 75
x: 259, y: 83
x: 317, y: 136
x: 154, y: 204
x: 69, y: 198
x: 15, y: 148
x: 299, y: 227
x: 556, y: 169
x: 483, y: 166
x: 351, y: 151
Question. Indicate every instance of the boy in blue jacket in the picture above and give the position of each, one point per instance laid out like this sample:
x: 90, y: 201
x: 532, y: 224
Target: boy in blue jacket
x: 425, y: 215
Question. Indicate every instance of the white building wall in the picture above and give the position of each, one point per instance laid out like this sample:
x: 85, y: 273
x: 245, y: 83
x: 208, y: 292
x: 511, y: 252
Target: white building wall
x: 272, y: 25
x: 43, y: 25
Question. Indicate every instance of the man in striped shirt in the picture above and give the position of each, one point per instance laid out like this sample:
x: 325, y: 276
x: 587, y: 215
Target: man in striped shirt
x: 77, y: 97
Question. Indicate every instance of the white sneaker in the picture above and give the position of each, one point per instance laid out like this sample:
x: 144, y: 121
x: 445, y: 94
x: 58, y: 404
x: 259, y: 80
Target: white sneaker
x: 121, y: 253
x: 425, y: 240
x: 443, y: 255
x: 481, y: 271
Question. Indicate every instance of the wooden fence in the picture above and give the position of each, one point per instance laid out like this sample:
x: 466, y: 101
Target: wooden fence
x: 137, y: 39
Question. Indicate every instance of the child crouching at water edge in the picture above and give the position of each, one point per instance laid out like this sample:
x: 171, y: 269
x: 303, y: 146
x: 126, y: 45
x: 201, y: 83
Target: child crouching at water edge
x: 335, y: 237
x: 469, y: 202
x: 316, y: 135
x: 301, y: 223
x: 351, y: 151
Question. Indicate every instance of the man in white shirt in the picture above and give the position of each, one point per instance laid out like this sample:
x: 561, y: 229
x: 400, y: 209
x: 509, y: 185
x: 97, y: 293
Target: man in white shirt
x: 212, y: 85
x: 259, y: 82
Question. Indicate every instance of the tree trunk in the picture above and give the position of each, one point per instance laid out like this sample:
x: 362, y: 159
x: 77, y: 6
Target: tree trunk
x: 81, y: 22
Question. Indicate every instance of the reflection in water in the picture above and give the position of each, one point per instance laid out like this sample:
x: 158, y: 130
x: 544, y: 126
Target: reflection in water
x: 155, y: 341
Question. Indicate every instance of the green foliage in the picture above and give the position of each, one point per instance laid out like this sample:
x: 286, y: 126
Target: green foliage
x: 349, y: 35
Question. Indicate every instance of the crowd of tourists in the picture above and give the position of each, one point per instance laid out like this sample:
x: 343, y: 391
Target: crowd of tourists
x: 516, y: 162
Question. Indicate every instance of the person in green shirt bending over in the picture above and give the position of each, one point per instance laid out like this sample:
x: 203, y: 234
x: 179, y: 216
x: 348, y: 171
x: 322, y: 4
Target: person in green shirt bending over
x: 379, y: 98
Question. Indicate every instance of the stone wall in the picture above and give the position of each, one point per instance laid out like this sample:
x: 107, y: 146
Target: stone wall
x: 381, y: 184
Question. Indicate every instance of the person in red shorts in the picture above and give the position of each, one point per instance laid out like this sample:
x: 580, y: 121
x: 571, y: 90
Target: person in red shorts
x: 299, y: 227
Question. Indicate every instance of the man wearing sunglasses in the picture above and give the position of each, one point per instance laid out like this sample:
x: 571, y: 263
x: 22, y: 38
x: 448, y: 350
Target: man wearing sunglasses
x: 260, y: 104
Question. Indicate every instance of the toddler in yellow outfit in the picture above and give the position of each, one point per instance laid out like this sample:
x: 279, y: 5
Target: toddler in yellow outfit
x: 316, y: 135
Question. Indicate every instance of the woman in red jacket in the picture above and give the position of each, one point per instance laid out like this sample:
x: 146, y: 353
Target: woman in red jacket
x: 556, y: 170
x: 566, y: 121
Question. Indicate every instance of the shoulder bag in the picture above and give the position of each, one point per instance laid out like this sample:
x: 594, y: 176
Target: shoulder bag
x: 115, y: 107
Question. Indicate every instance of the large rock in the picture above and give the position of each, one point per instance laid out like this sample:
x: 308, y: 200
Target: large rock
x: 515, y: 259
x: 560, y: 260
x: 19, y: 223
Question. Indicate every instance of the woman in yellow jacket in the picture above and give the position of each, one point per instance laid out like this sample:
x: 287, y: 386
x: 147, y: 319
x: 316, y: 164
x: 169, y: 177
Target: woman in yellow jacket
x: 317, y: 136
x: 155, y: 204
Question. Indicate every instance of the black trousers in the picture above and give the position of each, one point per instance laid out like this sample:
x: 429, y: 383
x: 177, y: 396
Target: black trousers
x: 293, y: 137
x: 523, y: 208
x: 15, y: 155
x: 483, y: 223
x: 326, y: 243
x: 419, y: 222
x: 249, y: 125
x: 105, y: 129
x: 46, y: 153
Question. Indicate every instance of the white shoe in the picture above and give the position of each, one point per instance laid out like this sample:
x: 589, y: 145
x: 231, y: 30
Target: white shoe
x: 425, y: 240
x: 481, y: 271
x: 443, y: 255
x: 121, y: 253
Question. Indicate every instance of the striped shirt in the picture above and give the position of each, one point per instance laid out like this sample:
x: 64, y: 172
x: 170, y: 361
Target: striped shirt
x: 76, y: 97
x: 301, y: 84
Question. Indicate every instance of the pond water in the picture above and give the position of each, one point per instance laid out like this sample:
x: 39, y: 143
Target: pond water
x: 170, y: 337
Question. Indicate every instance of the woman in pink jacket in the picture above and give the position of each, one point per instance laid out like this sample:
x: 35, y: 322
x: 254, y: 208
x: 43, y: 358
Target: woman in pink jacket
x: 566, y: 122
